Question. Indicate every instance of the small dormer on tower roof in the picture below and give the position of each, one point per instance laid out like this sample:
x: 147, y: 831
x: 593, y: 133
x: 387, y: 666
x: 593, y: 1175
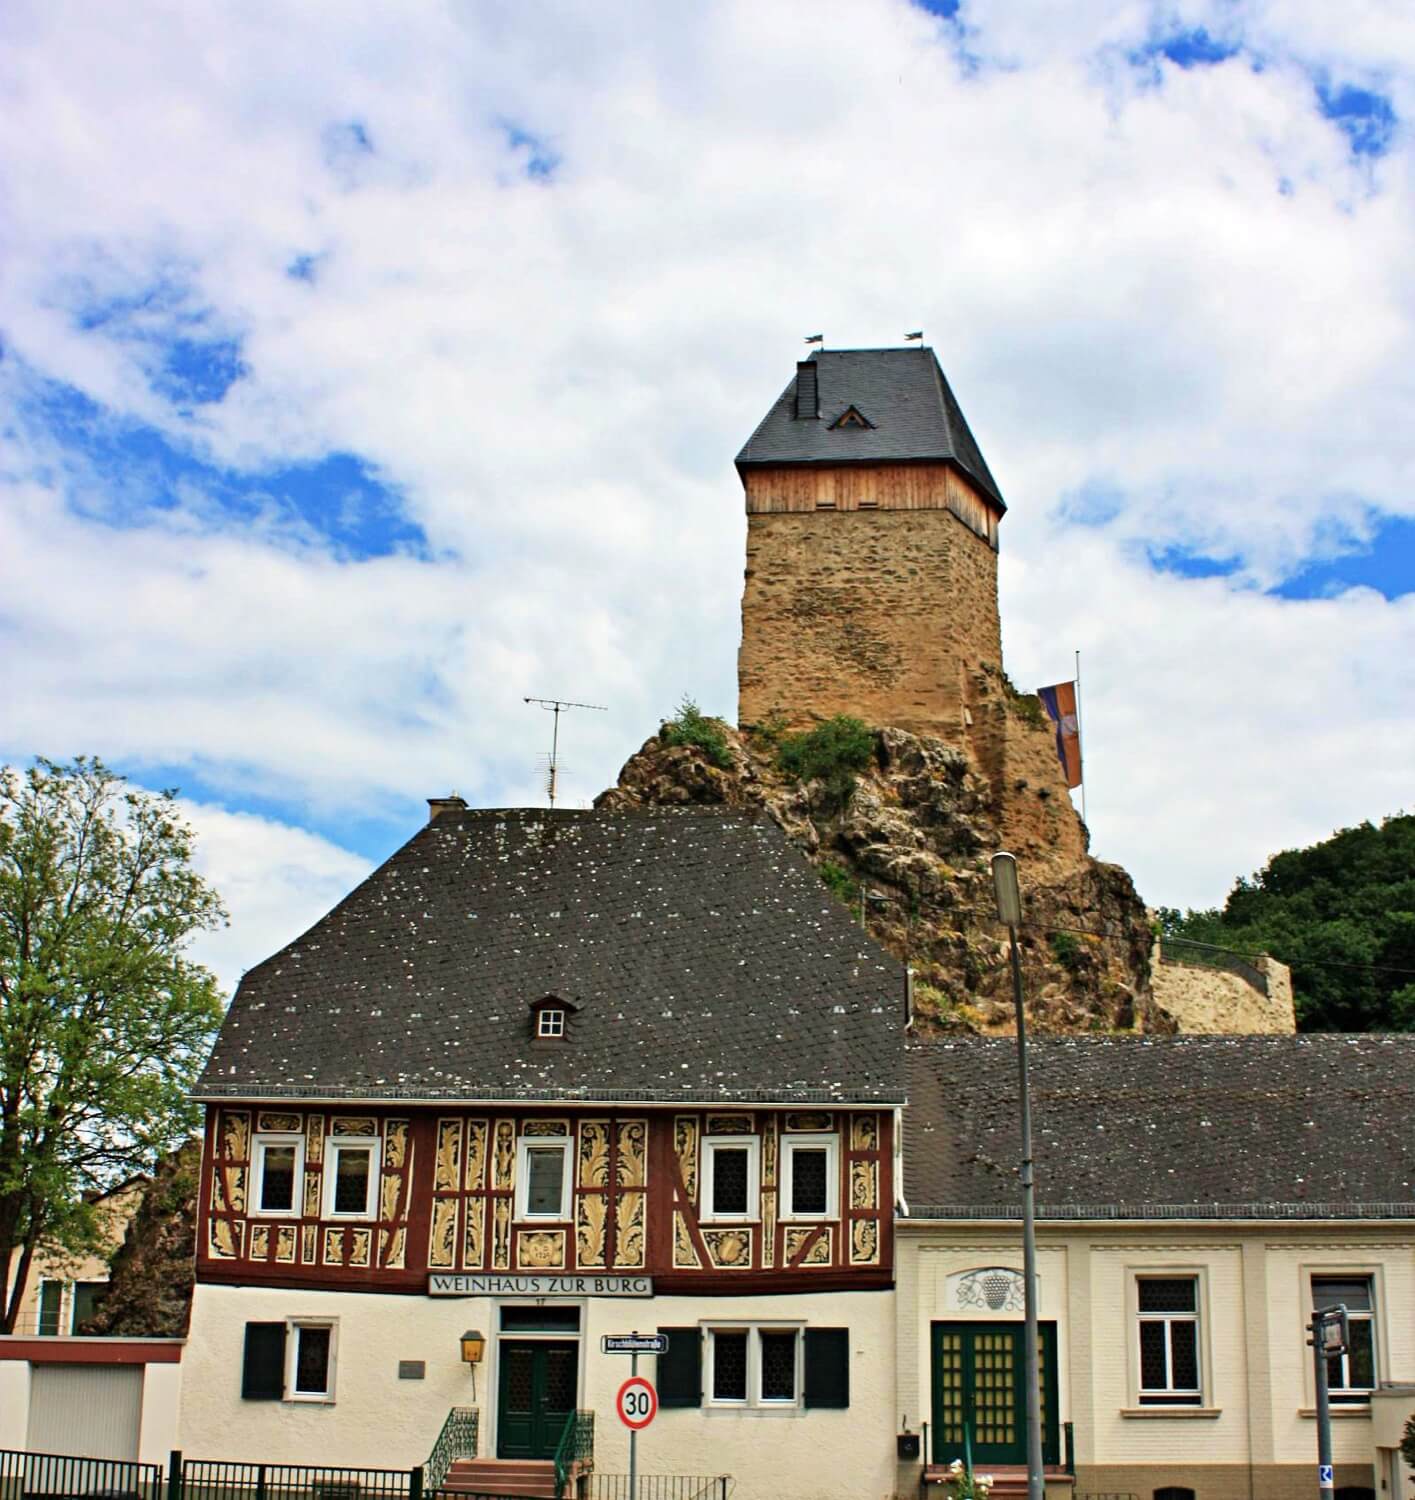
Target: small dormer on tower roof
x: 911, y: 413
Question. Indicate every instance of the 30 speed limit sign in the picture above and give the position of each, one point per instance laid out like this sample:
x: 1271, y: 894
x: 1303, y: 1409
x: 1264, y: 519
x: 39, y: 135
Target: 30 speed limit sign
x: 636, y: 1403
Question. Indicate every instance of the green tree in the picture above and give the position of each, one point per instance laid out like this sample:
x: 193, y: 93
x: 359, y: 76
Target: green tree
x: 1341, y: 914
x: 104, y: 1020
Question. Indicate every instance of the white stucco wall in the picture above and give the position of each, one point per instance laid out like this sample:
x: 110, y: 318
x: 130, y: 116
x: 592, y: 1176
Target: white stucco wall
x: 14, y: 1402
x: 377, y: 1420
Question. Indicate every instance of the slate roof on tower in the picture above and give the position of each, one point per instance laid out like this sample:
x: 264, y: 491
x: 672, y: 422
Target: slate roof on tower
x: 703, y: 956
x: 1314, y: 1126
x: 903, y: 394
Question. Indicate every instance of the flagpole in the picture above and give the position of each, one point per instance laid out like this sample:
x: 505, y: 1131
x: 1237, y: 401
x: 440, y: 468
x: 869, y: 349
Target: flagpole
x: 1080, y: 742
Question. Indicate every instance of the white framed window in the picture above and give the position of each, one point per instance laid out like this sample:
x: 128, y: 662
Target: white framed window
x: 543, y: 1177
x: 754, y: 1366
x: 1170, y: 1358
x: 1351, y: 1377
x: 731, y: 1174
x: 350, y: 1177
x: 278, y: 1175
x: 550, y: 1021
x: 310, y: 1347
x: 810, y: 1177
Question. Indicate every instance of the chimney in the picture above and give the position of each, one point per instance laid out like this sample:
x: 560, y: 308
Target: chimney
x: 436, y: 806
x: 807, y: 389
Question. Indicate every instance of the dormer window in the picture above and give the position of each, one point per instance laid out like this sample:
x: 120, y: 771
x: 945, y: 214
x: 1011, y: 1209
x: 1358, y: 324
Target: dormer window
x: 852, y: 416
x: 550, y: 1018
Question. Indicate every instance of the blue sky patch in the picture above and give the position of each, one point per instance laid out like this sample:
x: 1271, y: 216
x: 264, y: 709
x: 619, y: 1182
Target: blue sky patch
x: 1367, y: 118
x: 303, y: 268
x: 1093, y: 504
x: 1193, y: 49
x: 539, y: 158
x: 945, y: 8
x: 195, y: 373
x: 337, y: 501
x: 1183, y: 562
x: 1385, y: 563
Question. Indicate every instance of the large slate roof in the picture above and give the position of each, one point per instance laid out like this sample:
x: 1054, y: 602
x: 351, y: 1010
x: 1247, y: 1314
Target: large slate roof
x: 1166, y: 1127
x: 903, y: 392
x: 705, y: 957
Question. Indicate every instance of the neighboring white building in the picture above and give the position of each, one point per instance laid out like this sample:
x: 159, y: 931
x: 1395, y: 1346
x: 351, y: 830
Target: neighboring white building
x: 1199, y: 1196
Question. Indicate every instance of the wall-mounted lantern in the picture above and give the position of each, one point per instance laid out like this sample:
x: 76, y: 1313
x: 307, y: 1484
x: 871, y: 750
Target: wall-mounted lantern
x: 473, y: 1347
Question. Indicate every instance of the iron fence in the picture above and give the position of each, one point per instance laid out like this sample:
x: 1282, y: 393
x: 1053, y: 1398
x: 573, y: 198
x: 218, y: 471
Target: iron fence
x: 661, y: 1487
x: 221, y: 1479
x: 64, y: 1476
x: 1206, y: 956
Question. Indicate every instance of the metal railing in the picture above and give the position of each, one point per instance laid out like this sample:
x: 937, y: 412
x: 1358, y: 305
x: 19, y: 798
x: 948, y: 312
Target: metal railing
x: 575, y: 1451
x: 457, y: 1440
x: 1207, y: 956
x: 662, y: 1486
x: 221, y: 1479
x: 61, y: 1474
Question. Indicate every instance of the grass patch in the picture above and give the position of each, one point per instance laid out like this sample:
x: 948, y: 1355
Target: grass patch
x: 830, y: 753
x: 1065, y: 950
x: 839, y: 882
x: 690, y: 726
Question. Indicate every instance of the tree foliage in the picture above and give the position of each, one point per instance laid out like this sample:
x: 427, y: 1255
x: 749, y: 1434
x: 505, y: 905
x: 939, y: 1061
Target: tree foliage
x: 104, y: 1020
x: 1341, y: 914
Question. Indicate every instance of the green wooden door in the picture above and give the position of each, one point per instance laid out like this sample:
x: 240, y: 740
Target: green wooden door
x: 536, y: 1396
x: 979, y: 1393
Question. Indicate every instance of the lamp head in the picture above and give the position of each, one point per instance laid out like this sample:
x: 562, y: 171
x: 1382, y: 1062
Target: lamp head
x: 473, y: 1345
x: 1006, y: 889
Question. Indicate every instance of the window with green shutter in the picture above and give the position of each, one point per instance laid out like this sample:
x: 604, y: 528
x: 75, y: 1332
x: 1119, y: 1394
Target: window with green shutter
x: 680, y: 1368
x: 263, y: 1364
x: 827, y: 1367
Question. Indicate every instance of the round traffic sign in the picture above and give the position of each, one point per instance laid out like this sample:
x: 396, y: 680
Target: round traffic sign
x: 636, y: 1403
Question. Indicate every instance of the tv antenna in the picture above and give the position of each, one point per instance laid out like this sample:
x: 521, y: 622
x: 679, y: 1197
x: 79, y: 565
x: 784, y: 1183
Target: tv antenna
x: 553, y: 706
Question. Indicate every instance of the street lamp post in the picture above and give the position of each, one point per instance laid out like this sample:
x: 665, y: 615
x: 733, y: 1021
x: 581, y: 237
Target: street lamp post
x: 1009, y: 911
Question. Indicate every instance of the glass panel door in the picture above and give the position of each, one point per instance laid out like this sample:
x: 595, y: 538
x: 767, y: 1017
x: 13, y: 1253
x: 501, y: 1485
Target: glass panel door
x: 978, y: 1393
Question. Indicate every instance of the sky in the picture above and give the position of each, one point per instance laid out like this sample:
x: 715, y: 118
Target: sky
x: 364, y: 370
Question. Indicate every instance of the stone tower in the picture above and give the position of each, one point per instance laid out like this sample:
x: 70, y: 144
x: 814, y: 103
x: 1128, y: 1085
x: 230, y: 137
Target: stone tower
x: 871, y: 583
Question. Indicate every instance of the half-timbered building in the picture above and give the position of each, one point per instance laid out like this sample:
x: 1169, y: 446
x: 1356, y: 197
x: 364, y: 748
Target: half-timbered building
x: 543, y: 1077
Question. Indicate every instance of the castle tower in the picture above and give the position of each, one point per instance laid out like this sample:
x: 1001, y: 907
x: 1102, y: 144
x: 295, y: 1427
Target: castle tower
x: 871, y: 583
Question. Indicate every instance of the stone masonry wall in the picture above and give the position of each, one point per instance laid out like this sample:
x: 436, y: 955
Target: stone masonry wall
x: 1211, y: 1000
x: 875, y: 613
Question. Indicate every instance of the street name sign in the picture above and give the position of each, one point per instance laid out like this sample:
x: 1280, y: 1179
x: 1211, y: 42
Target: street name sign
x: 633, y: 1343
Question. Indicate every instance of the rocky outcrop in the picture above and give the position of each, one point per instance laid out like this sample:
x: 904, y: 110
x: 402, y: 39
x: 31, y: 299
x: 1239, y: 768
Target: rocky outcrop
x: 149, y: 1292
x: 908, y: 851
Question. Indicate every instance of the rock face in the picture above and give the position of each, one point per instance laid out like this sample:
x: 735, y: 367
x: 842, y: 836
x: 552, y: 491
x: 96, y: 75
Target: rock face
x: 908, y: 850
x: 150, y: 1289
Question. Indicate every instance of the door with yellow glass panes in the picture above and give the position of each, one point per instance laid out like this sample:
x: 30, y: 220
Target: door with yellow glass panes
x: 978, y: 1394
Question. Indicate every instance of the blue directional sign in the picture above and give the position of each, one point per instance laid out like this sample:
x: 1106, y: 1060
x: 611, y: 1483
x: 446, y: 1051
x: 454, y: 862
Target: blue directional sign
x: 1324, y: 1479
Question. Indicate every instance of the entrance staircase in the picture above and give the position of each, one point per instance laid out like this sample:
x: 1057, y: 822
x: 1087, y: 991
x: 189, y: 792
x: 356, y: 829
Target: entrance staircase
x: 504, y: 1476
x: 1009, y: 1480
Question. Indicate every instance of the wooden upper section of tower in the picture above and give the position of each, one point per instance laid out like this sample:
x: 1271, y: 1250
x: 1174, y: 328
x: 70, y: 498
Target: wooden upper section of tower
x: 869, y: 429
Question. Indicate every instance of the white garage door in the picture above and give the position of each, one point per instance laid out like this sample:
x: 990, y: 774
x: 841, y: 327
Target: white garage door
x: 89, y: 1410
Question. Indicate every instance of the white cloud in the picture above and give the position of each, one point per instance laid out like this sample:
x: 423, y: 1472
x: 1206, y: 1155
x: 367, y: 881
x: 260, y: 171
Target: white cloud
x: 1186, y: 291
x: 275, y: 880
